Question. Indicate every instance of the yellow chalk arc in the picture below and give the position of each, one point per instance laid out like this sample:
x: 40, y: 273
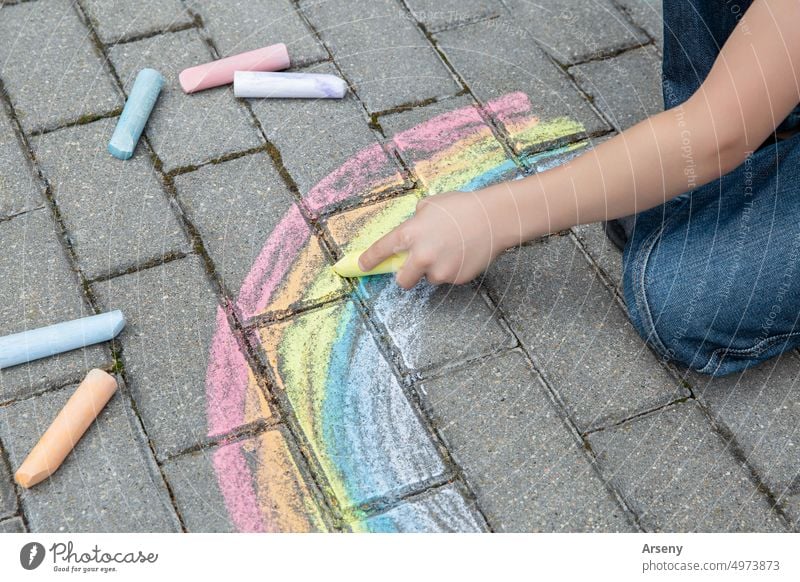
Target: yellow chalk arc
x: 347, y: 266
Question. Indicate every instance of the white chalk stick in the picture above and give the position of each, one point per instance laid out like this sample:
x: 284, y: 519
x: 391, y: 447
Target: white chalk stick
x: 249, y: 84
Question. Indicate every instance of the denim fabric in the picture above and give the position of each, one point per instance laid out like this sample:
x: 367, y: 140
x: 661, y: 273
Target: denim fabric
x: 712, y: 278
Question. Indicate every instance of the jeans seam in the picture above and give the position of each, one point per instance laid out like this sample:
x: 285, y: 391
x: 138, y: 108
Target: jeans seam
x: 718, y: 354
x: 640, y: 292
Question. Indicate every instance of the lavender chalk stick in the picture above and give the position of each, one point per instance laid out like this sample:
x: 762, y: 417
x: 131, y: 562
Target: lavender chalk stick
x: 288, y: 85
x: 137, y: 111
x: 33, y: 344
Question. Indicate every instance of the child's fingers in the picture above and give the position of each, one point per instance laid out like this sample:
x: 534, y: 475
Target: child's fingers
x: 380, y: 250
x: 409, y: 274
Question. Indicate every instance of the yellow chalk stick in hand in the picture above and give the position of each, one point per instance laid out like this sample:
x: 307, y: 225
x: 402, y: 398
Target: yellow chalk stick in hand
x: 347, y: 266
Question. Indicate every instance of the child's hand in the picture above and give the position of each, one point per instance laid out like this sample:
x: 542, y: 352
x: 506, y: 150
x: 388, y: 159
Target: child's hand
x: 452, y: 237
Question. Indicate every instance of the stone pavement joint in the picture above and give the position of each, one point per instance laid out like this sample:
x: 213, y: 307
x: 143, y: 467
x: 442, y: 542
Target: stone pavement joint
x: 437, y: 510
x: 66, y: 80
x: 236, y: 27
x: 497, y: 417
x: 438, y: 15
x: 654, y: 460
x: 194, y: 485
x: 125, y: 493
x: 626, y: 88
x: 121, y: 20
x: 115, y: 212
x: 647, y: 15
x: 13, y: 525
x: 569, y: 321
x: 358, y: 33
x: 20, y: 190
x: 34, y: 258
x: 574, y: 30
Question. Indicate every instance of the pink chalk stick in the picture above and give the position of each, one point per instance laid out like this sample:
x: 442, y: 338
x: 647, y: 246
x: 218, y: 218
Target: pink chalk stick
x: 216, y: 73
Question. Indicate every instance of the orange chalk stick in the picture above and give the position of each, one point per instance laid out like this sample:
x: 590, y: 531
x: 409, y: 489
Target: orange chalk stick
x: 66, y: 430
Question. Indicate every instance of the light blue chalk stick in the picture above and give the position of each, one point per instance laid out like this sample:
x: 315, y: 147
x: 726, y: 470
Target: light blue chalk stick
x: 137, y: 110
x: 27, y: 346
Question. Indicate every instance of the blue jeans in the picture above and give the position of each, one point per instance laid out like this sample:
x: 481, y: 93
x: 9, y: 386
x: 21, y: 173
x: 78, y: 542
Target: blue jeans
x: 712, y: 278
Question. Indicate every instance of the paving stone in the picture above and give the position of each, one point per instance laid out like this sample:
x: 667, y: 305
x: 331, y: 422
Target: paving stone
x: 578, y: 335
x: 761, y: 407
x: 238, y: 26
x: 648, y: 14
x: 442, y: 511
x: 576, y: 30
x: 438, y: 15
x: 534, y: 101
x: 171, y: 320
x: 39, y: 289
x: 13, y: 525
x: 381, y: 51
x: 19, y: 187
x: 435, y: 325
x: 245, y: 214
x: 8, y: 496
x: 117, y: 19
x: 109, y: 482
x: 431, y: 325
x: 256, y: 479
x: 605, y: 254
x: 51, y: 70
x: 186, y: 129
x: 351, y: 408
x: 679, y: 476
x: 591, y: 236
x: 448, y: 146
x: 626, y: 88
x: 328, y: 148
x: 527, y: 470
x: 792, y: 505
x: 116, y: 212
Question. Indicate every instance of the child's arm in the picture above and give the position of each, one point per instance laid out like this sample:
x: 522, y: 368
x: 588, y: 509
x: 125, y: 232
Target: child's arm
x: 752, y: 87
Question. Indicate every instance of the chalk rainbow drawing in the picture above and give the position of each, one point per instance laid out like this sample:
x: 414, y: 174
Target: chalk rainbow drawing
x: 353, y: 414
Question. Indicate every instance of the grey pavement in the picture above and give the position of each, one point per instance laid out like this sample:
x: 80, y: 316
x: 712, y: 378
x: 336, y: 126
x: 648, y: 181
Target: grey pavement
x: 116, y: 212
x: 20, y: 190
x: 170, y: 311
x: 40, y: 288
x: 675, y: 470
x: 236, y: 27
x: 575, y: 30
x: 511, y: 61
x: 381, y: 51
x: 13, y: 525
x: 436, y: 15
x: 647, y: 15
x: 109, y: 482
x: 259, y: 391
x: 186, y: 130
x: 316, y: 137
x: 115, y: 20
x: 626, y: 88
x: 527, y: 467
x: 52, y: 72
x: 578, y: 334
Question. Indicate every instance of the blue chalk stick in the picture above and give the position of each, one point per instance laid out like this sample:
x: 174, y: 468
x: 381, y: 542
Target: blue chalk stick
x: 27, y: 346
x: 137, y: 110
